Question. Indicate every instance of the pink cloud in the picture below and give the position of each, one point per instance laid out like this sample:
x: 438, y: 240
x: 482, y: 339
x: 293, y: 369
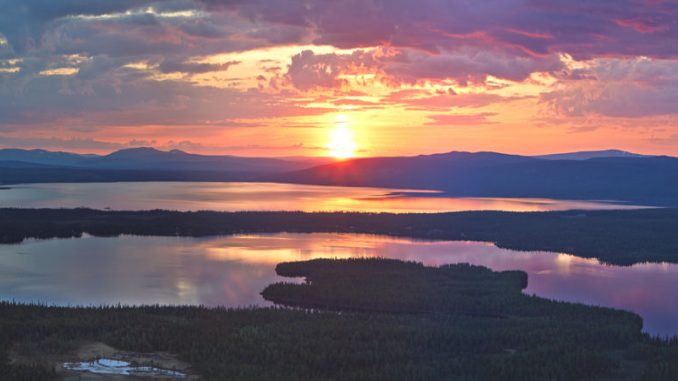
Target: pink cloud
x: 418, y: 100
x: 459, y: 120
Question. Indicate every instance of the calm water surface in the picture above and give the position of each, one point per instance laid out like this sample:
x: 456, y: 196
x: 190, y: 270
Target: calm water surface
x: 265, y: 196
x: 231, y: 271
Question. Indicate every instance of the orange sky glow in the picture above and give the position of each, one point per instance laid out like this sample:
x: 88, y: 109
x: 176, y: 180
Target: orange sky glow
x: 245, y: 81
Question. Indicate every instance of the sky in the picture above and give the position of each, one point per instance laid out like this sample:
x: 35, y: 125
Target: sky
x: 339, y: 78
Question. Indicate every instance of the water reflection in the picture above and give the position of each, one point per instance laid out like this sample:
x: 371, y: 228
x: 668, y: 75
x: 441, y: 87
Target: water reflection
x: 265, y: 196
x: 232, y: 271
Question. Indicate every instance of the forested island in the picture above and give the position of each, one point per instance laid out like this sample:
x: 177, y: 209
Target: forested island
x: 616, y: 237
x: 398, y: 321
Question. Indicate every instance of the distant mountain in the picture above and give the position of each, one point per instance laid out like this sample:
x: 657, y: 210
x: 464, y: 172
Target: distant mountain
x: 23, y: 164
x: 423, y: 171
x: 486, y: 174
x: 39, y: 156
x: 309, y: 161
x: 585, y: 175
x: 152, y: 159
x: 585, y: 155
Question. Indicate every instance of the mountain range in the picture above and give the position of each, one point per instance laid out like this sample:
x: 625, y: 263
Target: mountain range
x: 600, y: 175
x: 585, y: 155
x: 150, y: 158
x: 487, y: 174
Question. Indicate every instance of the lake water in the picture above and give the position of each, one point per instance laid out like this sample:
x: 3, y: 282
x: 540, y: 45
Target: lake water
x: 187, y: 196
x: 232, y: 271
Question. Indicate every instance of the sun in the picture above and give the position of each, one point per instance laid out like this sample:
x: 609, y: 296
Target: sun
x: 341, y: 145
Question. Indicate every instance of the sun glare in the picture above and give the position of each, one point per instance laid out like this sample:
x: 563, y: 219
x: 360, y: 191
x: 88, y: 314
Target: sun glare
x: 341, y: 144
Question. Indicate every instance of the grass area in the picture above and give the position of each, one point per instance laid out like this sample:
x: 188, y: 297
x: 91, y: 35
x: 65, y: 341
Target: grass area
x: 617, y: 237
x: 398, y: 321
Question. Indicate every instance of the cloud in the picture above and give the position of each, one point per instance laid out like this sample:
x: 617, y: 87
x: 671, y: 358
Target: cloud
x: 579, y: 27
x: 141, y: 62
x: 57, y: 143
x: 122, y: 97
x: 310, y: 71
x: 466, y: 66
x: 420, y: 100
x: 459, y: 119
x: 617, y: 88
x: 181, y: 66
x: 24, y: 24
x: 355, y: 103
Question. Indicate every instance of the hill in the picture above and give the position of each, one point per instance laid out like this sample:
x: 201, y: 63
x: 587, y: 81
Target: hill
x: 145, y: 158
x: 486, y: 174
x: 39, y: 156
x: 150, y: 158
x: 585, y: 155
x: 620, y: 176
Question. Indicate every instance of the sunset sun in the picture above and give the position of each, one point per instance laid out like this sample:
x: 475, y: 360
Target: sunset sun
x: 341, y: 143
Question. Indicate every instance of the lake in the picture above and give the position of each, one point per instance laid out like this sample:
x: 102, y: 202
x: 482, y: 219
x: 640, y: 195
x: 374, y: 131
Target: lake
x: 232, y: 270
x: 190, y: 196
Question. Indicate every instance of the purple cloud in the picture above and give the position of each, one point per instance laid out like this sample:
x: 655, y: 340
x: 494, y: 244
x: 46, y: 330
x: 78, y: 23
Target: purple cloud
x: 578, y: 27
